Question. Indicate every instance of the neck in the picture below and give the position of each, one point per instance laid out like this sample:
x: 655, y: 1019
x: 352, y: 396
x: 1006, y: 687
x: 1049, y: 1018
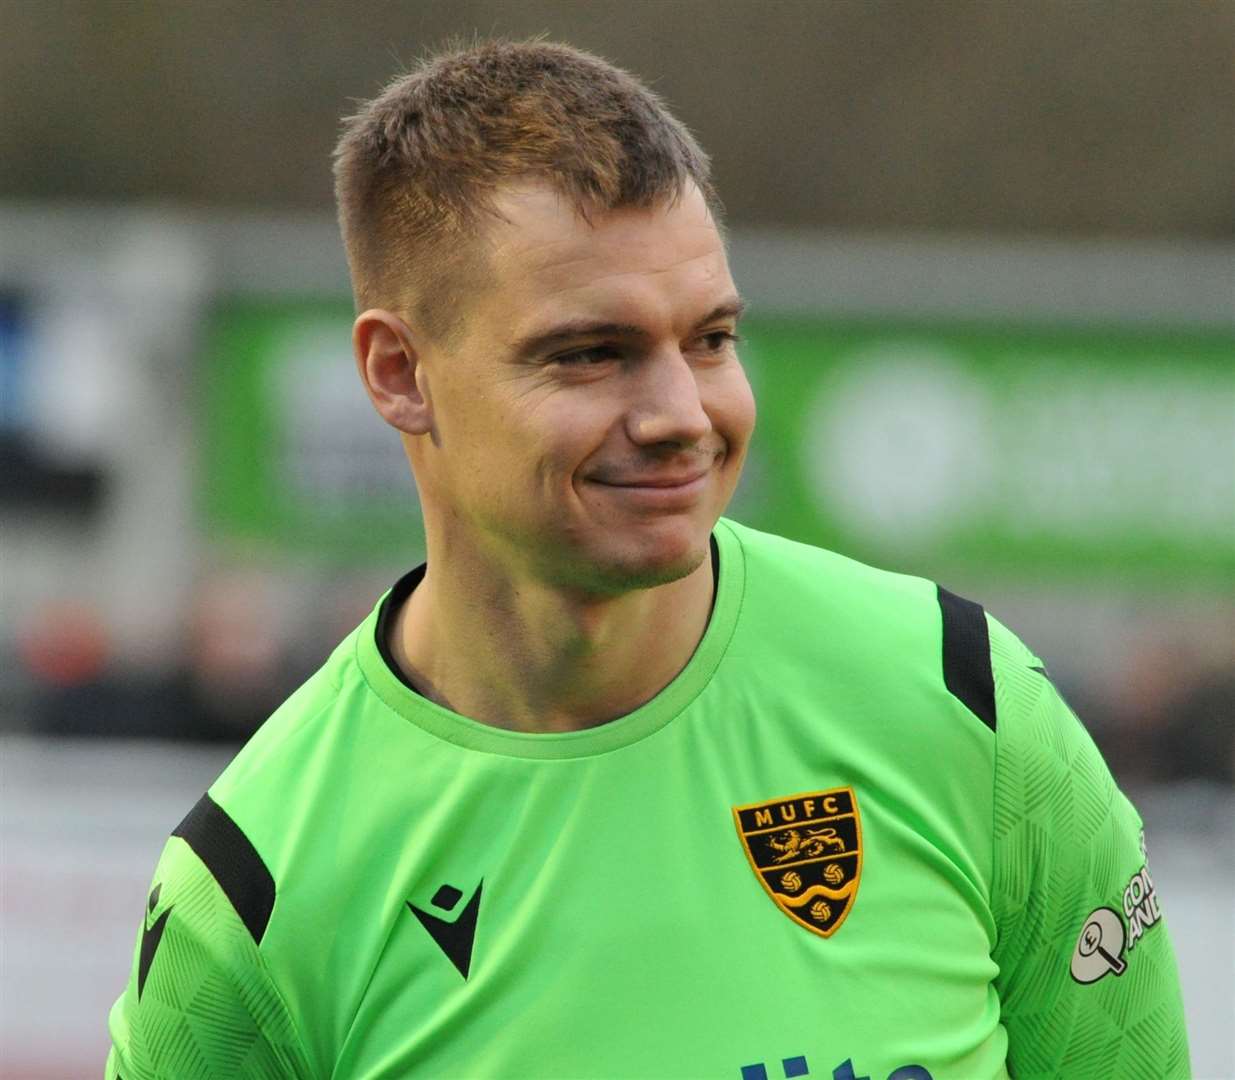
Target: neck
x: 525, y: 656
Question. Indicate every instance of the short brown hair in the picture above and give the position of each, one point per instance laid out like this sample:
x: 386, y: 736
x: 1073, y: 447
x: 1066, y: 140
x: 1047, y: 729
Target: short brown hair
x: 416, y: 166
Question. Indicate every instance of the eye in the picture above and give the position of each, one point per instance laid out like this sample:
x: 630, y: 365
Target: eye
x: 590, y: 357
x: 717, y: 340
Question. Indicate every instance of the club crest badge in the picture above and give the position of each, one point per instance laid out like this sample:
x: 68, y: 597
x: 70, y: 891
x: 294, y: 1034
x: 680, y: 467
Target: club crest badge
x: 806, y: 851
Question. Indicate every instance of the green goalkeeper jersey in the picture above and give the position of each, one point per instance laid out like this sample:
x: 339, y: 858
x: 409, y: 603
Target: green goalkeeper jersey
x: 859, y: 836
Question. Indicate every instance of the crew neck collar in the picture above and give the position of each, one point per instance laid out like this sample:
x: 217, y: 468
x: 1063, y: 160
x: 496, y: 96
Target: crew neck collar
x: 384, y: 678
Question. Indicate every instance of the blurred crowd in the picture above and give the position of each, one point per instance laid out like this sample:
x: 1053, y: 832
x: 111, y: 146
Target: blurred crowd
x: 1165, y: 712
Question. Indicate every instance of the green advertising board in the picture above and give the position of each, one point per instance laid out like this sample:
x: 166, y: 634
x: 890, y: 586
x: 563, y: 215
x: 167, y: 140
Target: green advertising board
x: 293, y: 457
x: 1022, y: 452
x: 1019, y: 451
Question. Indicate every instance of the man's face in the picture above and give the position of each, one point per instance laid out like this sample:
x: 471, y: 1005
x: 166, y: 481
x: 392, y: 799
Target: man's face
x: 598, y: 360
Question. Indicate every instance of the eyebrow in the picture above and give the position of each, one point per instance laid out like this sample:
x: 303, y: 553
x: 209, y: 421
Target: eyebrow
x: 572, y: 330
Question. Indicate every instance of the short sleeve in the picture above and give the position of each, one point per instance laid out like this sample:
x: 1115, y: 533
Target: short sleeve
x: 199, y: 1001
x: 1087, y: 981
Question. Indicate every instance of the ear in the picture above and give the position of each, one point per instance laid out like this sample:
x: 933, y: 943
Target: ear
x: 389, y: 364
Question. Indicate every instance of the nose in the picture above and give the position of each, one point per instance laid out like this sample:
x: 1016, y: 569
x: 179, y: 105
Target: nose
x: 668, y: 406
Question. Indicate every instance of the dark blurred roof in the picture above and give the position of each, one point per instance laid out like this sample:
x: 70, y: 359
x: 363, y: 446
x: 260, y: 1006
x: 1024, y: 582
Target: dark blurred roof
x: 1043, y: 116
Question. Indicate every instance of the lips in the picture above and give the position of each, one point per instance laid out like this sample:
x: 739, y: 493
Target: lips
x: 658, y: 481
x: 671, y: 474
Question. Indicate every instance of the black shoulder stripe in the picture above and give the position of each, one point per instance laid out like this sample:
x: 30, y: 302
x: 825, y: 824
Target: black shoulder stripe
x: 967, y: 655
x: 232, y: 860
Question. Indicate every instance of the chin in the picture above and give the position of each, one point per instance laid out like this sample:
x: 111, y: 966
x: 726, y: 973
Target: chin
x: 651, y: 561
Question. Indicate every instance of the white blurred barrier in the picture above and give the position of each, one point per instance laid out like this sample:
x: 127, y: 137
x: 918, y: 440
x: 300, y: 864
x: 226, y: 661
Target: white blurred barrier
x: 82, y: 823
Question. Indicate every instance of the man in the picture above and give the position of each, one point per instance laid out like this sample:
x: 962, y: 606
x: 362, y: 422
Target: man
x: 612, y: 786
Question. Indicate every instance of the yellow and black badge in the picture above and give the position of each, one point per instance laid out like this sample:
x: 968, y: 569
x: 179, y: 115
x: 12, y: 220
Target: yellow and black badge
x: 806, y: 851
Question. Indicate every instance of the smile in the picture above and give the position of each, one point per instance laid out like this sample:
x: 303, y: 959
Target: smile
x: 659, y: 494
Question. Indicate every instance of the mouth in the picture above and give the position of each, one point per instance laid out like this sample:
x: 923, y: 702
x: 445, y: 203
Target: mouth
x: 679, y: 480
x: 674, y: 492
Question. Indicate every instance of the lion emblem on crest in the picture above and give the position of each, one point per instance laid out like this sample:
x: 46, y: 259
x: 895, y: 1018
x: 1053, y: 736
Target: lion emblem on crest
x: 794, y: 844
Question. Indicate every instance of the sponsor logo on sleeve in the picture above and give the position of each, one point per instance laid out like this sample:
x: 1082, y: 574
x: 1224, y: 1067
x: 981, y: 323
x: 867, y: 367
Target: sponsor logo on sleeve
x: 1100, y: 947
x: 1140, y: 906
x: 1104, y: 937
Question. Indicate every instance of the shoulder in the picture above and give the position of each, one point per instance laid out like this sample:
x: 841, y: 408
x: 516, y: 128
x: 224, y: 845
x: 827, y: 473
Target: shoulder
x: 313, y: 808
x: 1049, y: 772
x: 836, y: 606
x: 313, y: 705
x: 831, y: 602
x: 261, y: 819
x: 238, y: 829
x: 776, y: 567
x: 217, y: 899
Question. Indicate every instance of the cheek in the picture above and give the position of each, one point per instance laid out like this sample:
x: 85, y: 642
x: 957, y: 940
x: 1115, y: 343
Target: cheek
x: 482, y: 454
x: 733, y: 408
x: 570, y: 429
x: 540, y: 449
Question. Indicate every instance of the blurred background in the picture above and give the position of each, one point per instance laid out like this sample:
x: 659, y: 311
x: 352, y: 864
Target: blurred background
x: 990, y: 255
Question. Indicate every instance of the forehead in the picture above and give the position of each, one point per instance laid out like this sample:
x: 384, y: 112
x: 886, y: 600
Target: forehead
x: 666, y: 261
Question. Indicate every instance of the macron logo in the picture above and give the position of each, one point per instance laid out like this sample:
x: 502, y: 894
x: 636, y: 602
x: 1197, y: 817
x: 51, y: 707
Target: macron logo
x: 454, y: 937
x: 151, y: 936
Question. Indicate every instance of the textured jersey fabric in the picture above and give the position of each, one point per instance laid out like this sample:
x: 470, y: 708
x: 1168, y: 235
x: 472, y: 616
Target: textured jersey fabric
x: 859, y: 835
x: 1066, y: 842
